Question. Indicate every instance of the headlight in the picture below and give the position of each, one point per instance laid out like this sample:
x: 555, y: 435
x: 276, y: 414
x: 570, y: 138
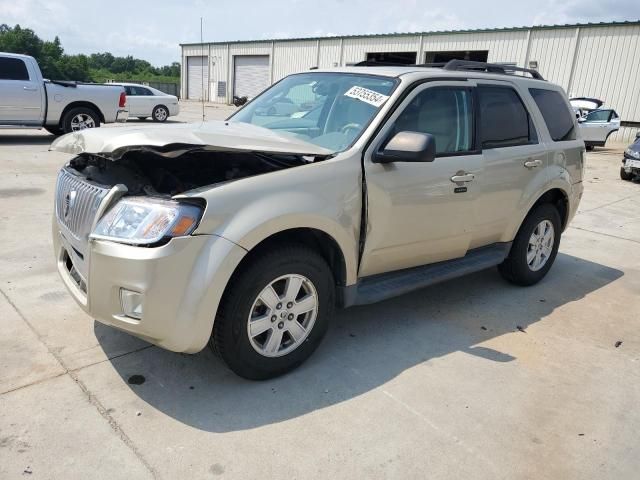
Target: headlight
x: 143, y: 221
x: 632, y: 153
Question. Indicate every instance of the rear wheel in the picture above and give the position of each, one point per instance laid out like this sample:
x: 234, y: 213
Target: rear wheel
x: 80, y: 118
x: 160, y: 113
x: 274, y: 312
x: 624, y: 175
x: 535, y: 247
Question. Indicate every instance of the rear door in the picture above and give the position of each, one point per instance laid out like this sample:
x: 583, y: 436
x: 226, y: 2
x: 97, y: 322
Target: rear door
x: 138, y: 101
x: 514, y: 160
x: 20, y: 93
x: 416, y: 212
x: 597, y: 125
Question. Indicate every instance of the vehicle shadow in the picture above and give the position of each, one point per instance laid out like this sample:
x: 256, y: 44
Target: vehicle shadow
x: 148, y: 121
x: 365, y: 348
x: 36, y: 138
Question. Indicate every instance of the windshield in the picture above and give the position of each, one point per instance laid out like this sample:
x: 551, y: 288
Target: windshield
x: 327, y: 109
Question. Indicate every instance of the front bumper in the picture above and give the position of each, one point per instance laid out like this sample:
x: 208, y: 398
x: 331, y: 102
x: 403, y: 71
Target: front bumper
x: 181, y: 284
x: 631, y: 164
x: 122, y: 116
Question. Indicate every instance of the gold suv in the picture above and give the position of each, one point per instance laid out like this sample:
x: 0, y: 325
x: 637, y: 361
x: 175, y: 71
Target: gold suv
x: 332, y: 188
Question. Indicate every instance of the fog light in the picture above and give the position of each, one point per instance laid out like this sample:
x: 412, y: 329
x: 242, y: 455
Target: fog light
x: 131, y: 303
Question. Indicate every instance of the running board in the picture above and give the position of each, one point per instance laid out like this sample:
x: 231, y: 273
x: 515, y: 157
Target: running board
x: 387, y: 285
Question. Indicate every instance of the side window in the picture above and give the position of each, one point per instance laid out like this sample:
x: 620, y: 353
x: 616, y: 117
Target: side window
x: 556, y: 115
x: 146, y: 92
x: 128, y: 90
x: 598, y: 116
x: 444, y: 112
x: 504, y: 120
x: 13, y: 69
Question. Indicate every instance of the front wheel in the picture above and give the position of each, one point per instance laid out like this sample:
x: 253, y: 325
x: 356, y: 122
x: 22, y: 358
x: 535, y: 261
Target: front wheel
x: 274, y: 312
x: 80, y: 118
x: 160, y: 113
x: 624, y: 175
x: 534, y: 248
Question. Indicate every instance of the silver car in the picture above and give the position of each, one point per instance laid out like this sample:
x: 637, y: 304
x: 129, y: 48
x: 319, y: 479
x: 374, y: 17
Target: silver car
x: 246, y: 234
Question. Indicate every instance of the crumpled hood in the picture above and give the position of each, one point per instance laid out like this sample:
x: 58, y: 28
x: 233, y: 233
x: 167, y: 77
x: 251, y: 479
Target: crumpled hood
x: 214, y: 136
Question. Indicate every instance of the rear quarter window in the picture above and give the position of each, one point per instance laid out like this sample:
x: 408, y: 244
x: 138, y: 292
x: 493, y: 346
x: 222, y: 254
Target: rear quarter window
x: 556, y: 114
x: 13, y: 69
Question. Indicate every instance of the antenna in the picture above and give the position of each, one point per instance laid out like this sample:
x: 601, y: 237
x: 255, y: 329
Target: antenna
x: 202, y: 70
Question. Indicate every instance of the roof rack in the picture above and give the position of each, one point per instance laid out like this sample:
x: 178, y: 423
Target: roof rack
x: 459, y: 65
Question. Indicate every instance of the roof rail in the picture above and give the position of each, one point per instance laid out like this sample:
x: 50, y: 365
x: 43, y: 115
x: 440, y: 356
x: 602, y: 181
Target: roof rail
x: 457, y: 65
x: 373, y: 63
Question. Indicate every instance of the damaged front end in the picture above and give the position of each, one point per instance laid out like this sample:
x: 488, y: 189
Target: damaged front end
x: 149, y: 167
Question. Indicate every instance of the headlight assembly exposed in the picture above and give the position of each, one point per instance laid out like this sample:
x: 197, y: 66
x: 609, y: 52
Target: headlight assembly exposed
x: 632, y: 153
x: 145, y: 221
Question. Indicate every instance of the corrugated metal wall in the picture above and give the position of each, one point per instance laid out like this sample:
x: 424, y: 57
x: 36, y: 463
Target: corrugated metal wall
x: 503, y: 46
x: 587, y: 61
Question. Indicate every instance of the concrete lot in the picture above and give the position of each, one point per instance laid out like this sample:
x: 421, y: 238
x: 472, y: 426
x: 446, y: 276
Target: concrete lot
x: 470, y: 379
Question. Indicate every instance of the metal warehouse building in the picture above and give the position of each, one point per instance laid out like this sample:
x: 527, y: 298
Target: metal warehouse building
x: 589, y: 60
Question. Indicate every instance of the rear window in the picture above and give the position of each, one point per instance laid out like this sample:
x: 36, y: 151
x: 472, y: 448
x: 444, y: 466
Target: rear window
x: 556, y: 115
x: 13, y: 69
x: 504, y: 120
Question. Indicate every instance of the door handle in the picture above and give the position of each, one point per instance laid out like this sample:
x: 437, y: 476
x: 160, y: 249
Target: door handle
x: 532, y: 163
x: 31, y: 89
x: 463, y: 178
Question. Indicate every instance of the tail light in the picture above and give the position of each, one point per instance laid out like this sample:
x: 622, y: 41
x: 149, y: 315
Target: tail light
x: 123, y: 100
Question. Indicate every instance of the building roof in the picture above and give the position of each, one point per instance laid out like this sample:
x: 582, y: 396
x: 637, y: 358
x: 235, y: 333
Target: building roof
x: 438, y: 32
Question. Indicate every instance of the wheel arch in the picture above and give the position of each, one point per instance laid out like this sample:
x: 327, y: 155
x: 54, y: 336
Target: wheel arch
x: 84, y: 104
x: 314, y: 238
x: 558, y: 198
x: 556, y: 194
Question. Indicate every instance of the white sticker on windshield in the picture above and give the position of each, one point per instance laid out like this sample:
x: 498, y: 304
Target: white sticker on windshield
x: 369, y: 96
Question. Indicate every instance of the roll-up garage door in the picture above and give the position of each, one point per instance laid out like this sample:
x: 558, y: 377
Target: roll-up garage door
x: 251, y: 75
x: 197, y: 76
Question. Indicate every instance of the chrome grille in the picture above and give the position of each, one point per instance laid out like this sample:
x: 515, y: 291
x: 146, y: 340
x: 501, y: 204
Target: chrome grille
x: 77, y: 203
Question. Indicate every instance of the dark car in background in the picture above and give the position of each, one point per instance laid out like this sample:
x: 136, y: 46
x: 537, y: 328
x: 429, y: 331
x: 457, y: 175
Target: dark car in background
x: 630, y: 169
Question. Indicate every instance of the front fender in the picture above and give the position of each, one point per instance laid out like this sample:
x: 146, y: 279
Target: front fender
x: 278, y: 212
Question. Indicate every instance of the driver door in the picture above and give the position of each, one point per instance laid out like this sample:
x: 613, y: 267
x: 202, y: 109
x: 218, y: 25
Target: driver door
x: 416, y: 213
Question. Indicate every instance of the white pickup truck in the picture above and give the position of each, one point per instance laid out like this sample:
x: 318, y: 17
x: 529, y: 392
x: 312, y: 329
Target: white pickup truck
x: 29, y: 101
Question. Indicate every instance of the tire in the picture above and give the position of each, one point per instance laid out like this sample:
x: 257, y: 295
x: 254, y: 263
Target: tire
x: 160, y: 113
x: 142, y: 118
x: 54, y: 130
x: 80, y: 118
x: 250, y: 357
x: 516, y: 268
x: 624, y: 175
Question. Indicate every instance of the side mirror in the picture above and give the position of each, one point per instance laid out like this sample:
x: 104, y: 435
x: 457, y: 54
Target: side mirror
x: 407, y: 147
x: 582, y: 119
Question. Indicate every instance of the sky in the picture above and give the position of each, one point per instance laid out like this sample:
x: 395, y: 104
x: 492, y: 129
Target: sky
x: 153, y: 29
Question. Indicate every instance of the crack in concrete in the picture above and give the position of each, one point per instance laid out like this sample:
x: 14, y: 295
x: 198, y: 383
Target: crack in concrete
x: 607, y: 204
x: 605, y: 234
x: 93, y: 400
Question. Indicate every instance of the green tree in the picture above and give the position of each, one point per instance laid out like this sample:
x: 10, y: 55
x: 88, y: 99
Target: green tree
x: 97, y: 67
